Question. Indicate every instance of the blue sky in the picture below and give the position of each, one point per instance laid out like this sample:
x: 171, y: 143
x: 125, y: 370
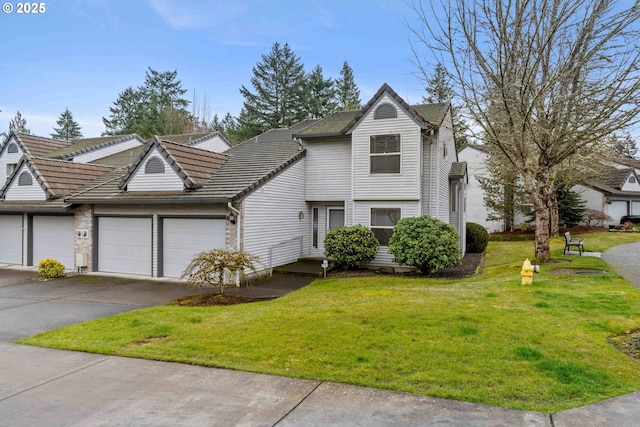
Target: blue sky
x: 81, y: 53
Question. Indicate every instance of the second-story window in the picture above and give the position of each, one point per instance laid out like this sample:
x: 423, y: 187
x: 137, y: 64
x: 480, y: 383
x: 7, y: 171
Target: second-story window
x: 385, y: 153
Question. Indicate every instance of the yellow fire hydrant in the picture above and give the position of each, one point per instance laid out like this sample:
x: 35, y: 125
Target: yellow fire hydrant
x: 527, y: 272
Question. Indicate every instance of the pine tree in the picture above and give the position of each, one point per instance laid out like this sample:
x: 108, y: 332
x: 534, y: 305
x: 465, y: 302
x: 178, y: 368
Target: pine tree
x: 439, y: 89
x: 347, y: 91
x: 321, y: 94
x: 69, y: 129
x: 19, y: 124
x: 277, y: 99
x: 152, y: 108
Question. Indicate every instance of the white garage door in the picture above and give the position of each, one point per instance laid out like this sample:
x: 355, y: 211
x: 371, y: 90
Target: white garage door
x: 124, y: 245
x: 183, y: 239
x: 11, y: 239
x: 53, y: 238
x: 635, y: 208
x: 617, y: 210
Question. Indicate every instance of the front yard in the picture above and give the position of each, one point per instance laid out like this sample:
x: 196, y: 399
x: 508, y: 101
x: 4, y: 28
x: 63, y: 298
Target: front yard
x: 485, y: 339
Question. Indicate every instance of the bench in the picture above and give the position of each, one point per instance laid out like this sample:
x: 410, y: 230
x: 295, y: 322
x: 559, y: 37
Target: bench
x: 568, y: 243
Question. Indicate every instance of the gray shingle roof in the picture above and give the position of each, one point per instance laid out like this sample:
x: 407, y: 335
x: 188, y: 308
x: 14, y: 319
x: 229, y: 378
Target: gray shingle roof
x: 247, y: 166
x: 340, y: 123
x: 458, y: 170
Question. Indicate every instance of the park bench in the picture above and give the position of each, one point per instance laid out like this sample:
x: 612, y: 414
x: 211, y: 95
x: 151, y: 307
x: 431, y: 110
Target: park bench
x: 568, y: 243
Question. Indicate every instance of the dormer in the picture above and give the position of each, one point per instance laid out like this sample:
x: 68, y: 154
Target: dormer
x: 168, y: 167
x: 631, y: 183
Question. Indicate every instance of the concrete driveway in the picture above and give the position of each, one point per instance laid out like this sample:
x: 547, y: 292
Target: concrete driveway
x: 40, y: 386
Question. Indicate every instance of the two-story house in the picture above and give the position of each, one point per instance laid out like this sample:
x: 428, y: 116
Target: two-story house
x: 274, y: 196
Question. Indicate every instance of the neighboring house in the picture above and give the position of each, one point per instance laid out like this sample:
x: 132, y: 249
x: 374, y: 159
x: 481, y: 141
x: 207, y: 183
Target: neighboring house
x: 36, y: 222
x: 476, y: 156
x: 617, y: 194
x: 17, y: 144
x: 377, y: 165
x: 275, y: 196
x: 210, y: 141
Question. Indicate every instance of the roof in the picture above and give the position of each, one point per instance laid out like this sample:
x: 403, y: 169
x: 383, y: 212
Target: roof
x: 58, y: 178
x: 478, y: 147
x: 247, y: 166
x: 188, y: 138
x: 427, y: 116
x: 79, y: 146
x: 193, y: 165
x: 613, y: 180
x: 121, y: 159
x: 458, y: 170
x: 37, y: 145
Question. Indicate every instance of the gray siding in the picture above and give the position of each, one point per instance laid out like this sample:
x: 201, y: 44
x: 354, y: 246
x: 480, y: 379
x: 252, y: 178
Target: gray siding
x: 106, y: 151
x: 167, y: 181
x: 215, y: 144
x: 388, y: 186
x: 272, y: 219
x: 328, y: 170
x: 8, y: 158
x: 25, y: 192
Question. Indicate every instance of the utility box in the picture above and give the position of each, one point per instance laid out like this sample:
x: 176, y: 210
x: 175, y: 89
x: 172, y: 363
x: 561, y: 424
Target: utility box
x: 82, y: 259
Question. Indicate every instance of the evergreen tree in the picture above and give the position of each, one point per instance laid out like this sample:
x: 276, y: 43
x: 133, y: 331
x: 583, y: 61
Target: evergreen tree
x: 347, y: 91
x: 439, y: 89
x: 623, y: 145
x: 277, y: 99
x: 69, y: 129
x: 229, y: 128
x: 571, y: 207
x: 321, y: 94
x: 156, y: 106
x: 19, y: 124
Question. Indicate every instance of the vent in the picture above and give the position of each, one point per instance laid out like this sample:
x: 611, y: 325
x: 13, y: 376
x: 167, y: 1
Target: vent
x: 385, y: 111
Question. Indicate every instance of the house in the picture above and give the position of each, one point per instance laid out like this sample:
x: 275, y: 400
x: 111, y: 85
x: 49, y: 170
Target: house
x: 382, y: 163
x: 476, y: 156
x: 149, y: 210
x: 617, y: 193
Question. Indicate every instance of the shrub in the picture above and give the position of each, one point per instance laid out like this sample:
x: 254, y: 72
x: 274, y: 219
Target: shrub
x: 426, y: 243
x: 211, y: 268
x: 477, y: 238
x: 50, y: 268
x: 351, y: 246
x: 592, y: 216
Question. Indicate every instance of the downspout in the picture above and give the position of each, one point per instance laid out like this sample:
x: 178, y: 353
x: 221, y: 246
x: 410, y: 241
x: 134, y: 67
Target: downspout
x: 237, y: 212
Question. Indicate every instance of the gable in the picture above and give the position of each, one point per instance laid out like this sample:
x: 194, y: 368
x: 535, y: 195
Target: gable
x: 154, y: 173
x: 107, y: 150
x: 631, y: 183
x: 10, y: 156
x: 215, y: 143
x: 24, y: 186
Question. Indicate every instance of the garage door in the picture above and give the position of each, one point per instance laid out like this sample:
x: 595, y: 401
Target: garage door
x: 124, y: 245
x: 53, y: 238
x: 617, y: 210
x: 183, y: 239
x: 11, y: 239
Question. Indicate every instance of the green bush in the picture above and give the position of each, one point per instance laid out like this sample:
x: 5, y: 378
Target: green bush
x: 477, y: 238
x: 351, y: 246
x: 50, y: 268
x: 425, y: 243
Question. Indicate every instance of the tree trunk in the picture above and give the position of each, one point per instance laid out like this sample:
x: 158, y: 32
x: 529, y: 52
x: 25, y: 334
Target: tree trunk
x: 554, y: 222
x: 542, y: 233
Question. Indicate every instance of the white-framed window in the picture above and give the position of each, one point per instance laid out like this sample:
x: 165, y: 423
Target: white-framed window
x: 12, y: 148
x: 382, y: 222
x: 335, y: 217
x: 10, y: 168
x: 384, y: 154
x: 632, y: 180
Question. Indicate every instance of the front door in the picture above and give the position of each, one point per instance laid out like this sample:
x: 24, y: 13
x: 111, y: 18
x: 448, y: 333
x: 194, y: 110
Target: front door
x: 323, y: 218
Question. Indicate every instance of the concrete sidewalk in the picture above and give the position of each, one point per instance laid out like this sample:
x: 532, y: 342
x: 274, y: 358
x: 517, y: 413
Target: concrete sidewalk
x: 62, y: 388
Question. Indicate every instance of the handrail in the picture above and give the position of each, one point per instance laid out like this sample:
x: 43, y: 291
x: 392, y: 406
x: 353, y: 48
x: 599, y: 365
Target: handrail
x: 301, y: 238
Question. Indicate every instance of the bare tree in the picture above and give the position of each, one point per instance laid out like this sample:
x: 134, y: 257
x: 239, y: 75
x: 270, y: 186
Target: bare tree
x: 542, y: 79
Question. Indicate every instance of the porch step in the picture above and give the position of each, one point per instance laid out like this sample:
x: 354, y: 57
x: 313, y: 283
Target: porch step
x: 304, y: 267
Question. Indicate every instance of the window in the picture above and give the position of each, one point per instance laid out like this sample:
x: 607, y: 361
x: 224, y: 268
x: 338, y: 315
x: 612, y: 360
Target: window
x: 10, y: 168
x: 25, y: 179
x: 315, y: 227
x: 12, y: 148
x: 385, y: 111
x: 382, y: 222
x: 336, y: 217
x: 385, y: 154
x: 632, y: 180
x: 154, y: 165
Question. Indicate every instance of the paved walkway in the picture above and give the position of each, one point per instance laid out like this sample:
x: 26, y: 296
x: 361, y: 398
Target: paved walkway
x: 625, y: 260
x: 41, y: 386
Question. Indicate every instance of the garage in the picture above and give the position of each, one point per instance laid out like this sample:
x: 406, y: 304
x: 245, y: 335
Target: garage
x: 53, y: 238
x: 184, y: 238
x: 618, y: 209
x: 124, y: 245
x: 11, y: 241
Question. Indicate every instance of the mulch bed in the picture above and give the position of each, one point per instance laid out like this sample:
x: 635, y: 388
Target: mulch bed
x: 628, y: 343
x: 208, y: 300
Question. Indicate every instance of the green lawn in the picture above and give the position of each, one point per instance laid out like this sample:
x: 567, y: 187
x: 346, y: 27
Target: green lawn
x: 485, y: 339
